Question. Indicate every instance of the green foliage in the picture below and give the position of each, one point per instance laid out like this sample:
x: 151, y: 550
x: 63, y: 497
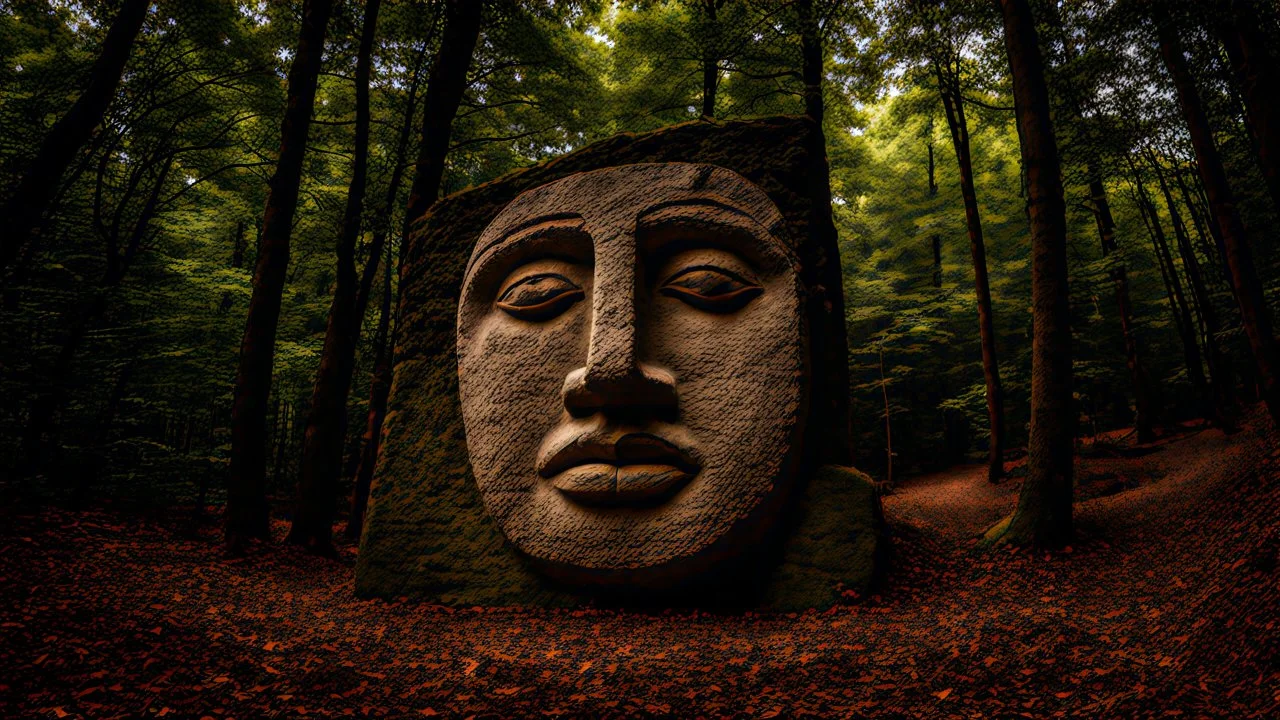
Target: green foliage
x: 135, y: 349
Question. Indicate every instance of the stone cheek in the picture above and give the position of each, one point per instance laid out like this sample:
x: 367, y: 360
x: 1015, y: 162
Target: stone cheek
x: 738, y: 373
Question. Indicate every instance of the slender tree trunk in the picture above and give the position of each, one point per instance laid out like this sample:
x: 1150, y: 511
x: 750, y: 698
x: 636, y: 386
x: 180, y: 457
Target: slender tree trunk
x: 445, y: 86
x: 710, y: 78
x: 1120, y: 280
x: 247, y: 512
x: 888, y: 427
x: 1244, y: 36
x: 47, y: 403
x: 1210, y: 250
x: 935, y: 240
x: 831, y: 344
x: 710, y: 57
x: 237, y: 252
x: 1178, y: 300
x: 25, y: 208
x: 1142, y: 393
x: 1254, y: 314
x: 87, y: 476
x: 326, y: 423
x: 283, y: 440
x: 1043, y: 516
x: 1221, y: 366
x: 954, y: 107
x: 811, y: 69
x: 369, y: 275
x: 379, y: 391
x: 1210, y: 325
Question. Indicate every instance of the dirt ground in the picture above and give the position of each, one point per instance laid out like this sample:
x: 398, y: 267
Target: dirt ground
x: 1167, y: 606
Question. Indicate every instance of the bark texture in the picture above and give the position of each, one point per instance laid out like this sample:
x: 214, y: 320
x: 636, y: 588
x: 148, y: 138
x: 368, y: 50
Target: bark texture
x: 247, y: 512
x: 1120, y: 281
x: 326, y: 424
x: 445, y: 86
x: 953, y: 104
x: 1043, y: 516
x: 1254, y: 314
x: 823, y: 270
x: 1257, y: 69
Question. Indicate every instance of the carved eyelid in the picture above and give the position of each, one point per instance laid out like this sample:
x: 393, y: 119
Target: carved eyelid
x: 707, y: 267
x: 529, y: 279
x: 560, y: 298
x: 723, y: 303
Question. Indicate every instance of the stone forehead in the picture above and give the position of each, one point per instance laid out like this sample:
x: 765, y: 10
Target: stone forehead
x: 617, y: 194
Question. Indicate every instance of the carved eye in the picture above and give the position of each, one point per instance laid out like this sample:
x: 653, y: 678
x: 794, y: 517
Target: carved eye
x: 540, y: 297
x: 710, y: 288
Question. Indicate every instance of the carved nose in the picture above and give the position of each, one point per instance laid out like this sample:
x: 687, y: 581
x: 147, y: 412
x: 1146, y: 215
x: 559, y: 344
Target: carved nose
x: 614, y: 380
x: 639, y: 389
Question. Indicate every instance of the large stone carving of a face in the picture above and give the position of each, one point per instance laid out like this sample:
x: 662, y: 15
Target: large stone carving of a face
x: 631, y: 363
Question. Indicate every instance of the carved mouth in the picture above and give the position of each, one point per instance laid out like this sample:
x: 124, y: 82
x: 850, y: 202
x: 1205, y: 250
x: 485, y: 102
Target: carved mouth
x: 635, y: 469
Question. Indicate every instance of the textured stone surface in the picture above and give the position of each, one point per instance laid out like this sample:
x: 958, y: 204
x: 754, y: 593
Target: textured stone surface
x: 428, y: 534
x: 632, y: 362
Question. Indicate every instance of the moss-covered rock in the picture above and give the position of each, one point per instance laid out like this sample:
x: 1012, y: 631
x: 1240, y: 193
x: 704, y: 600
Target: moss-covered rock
x: 427, y: 534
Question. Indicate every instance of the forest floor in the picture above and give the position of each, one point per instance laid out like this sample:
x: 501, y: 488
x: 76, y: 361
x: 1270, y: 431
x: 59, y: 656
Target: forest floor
x: 1167, y: 606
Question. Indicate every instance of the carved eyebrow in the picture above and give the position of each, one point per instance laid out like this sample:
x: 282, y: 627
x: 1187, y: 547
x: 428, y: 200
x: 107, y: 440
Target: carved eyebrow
x: 696, y: 202
x: 540, y: 226
x: 690, y: 214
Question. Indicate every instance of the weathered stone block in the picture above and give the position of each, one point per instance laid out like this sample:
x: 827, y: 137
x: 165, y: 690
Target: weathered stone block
x: 429, y: 533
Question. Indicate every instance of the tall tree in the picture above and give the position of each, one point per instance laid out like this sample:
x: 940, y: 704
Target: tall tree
x: 1178, y: 305
x: 25, y: 208
x: 1083, y: 114
x: 1254, y: 314
x: 247, y: 512
x: 380, y: 382
x: 1257, y: 68
x: 941, y: 38
x: 833, y: 343
x: 445, y: 86
x: 949, y: 88
x: 379, y: 392
x: 1043, y: 515
x: 326, y: 422
x: 709, y: 30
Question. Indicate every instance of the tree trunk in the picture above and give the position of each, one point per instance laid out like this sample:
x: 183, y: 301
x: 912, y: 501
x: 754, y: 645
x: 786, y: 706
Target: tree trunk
x: 811, y: 69
x: 445, y: 86
x: 1043, y: 516
x: 953, y: 104
x: 326, y: 424
x: 1244, y: 36
x: 237, y: 252
x: 1120, y: 279
x: 247, y: 512
x: 47, y: 403
x: 24, y: 210
x: 935, y: 240
x: 1209, y: 322
x: 379, y: 391
x: 1181, y: 310
x: 888, y: 427
x: 1254, y: 314
x: 830, y: 346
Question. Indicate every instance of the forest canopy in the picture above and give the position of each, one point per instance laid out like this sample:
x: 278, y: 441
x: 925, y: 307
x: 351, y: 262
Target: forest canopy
x: 143, y: 140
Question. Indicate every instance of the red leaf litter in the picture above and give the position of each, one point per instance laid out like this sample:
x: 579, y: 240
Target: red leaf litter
x: 1167, y: 606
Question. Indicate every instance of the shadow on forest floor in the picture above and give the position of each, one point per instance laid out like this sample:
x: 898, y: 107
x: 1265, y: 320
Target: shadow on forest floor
x: 1167, y: 604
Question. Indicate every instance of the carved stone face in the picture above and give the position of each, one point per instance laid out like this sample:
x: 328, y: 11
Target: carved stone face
x: 632, y: 369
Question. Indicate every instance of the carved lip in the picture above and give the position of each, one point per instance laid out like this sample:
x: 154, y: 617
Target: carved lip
x: 608, y: 468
